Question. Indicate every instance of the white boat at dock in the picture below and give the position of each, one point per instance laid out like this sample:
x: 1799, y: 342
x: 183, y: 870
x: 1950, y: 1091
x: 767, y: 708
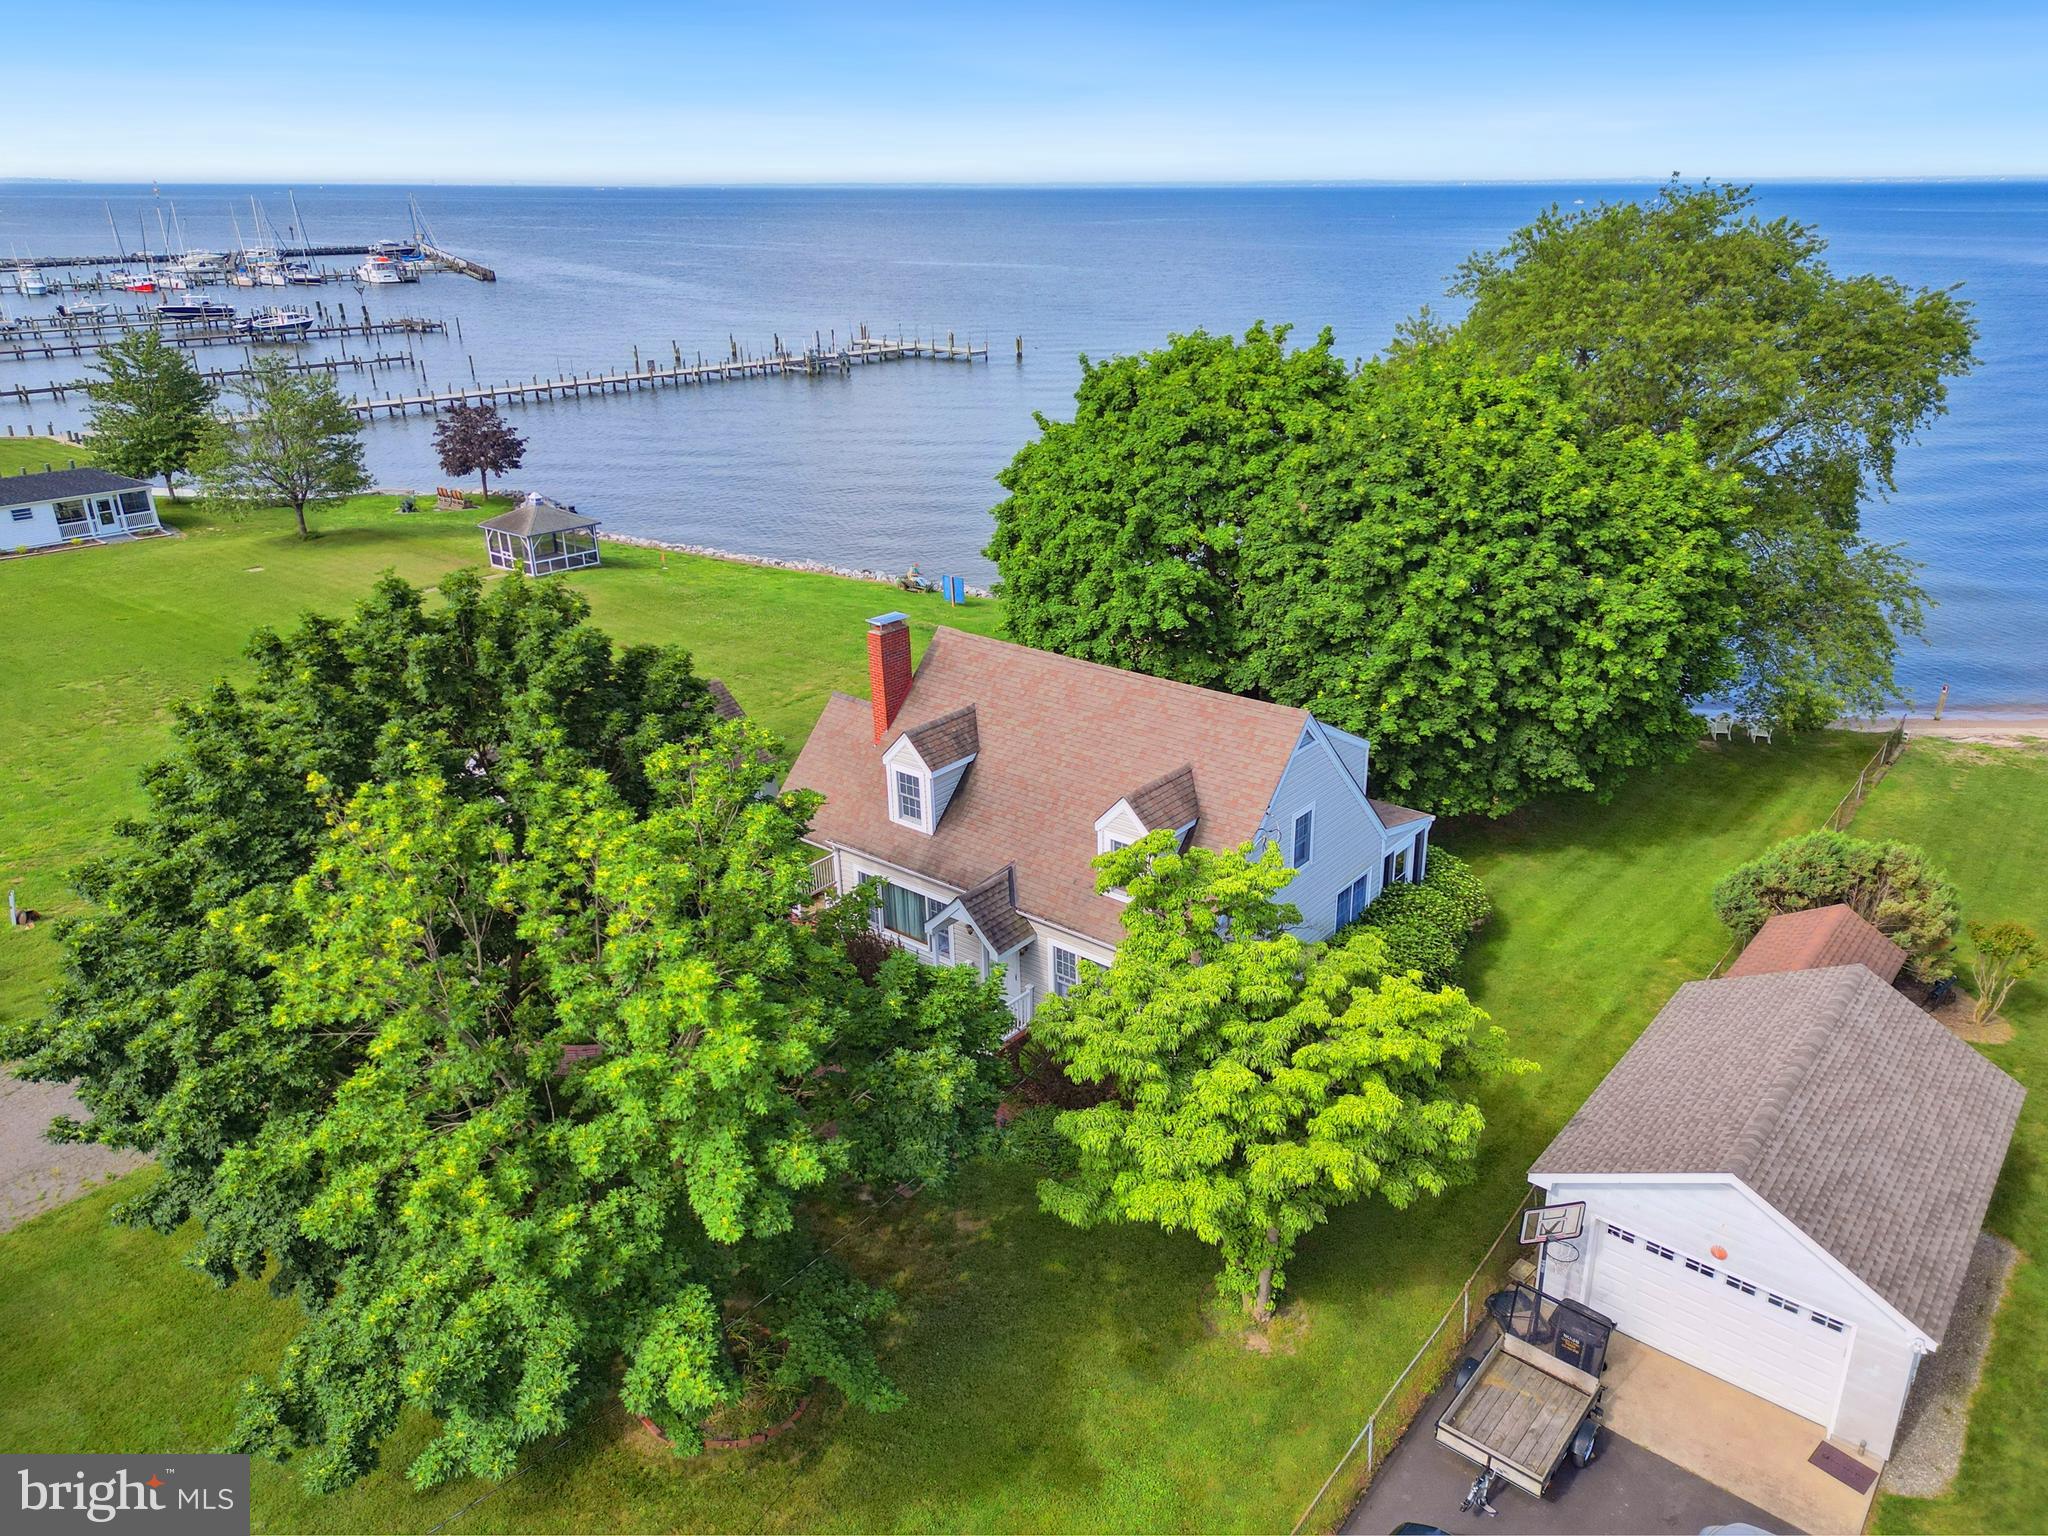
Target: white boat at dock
x: 379, y: 268
x: 29, y: 283
x: 276, y: 325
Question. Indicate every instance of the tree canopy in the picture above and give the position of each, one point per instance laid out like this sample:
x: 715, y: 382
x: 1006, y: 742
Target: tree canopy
x: 1690, y: 312
x: 452, y: 979
x: 476, y: 440
x: 1120, y: 538
x: 1259, y: 1080
x: 299, y: 445
x: 151, y: 410
x: 1438, y: 553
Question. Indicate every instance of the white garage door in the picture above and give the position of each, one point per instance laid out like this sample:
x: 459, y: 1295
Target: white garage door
x: 1743, y: 1333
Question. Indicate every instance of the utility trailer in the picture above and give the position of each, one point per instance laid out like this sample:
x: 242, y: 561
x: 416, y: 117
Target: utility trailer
x: 1532, y: 1399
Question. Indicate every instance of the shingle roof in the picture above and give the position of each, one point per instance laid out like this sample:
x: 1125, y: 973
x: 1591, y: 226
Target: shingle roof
x: 1392, y: 815
x: 993, y: 906
x: 1168, y: 801
x: 1823, y: 936
x: 1838, y: 1102
x: 57, y: 484
x: 1060, y: 742
x: 534, y: 516
x: 947, y: 739
x: 723, y: 704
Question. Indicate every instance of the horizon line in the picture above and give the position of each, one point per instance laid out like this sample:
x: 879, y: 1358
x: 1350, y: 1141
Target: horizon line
x: 1127, y: 184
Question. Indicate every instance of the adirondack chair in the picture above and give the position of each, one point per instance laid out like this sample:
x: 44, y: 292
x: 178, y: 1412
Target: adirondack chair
x: 1758, y: 730
x: 1722, y: 727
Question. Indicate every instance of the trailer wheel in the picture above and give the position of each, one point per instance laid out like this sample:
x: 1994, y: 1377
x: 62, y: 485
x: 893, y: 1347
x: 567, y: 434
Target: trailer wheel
x: 1582, y: 1442
x: 1467, y: 1369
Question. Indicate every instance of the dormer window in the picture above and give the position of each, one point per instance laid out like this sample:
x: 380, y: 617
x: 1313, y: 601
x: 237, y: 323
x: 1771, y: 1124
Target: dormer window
x: 909, y: 798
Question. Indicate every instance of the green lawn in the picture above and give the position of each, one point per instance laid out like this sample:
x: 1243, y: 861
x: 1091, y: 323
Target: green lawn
x: 1057, y: 1380
x: 34, y: 454
x: 106, y: 638
x: 1983, y: 815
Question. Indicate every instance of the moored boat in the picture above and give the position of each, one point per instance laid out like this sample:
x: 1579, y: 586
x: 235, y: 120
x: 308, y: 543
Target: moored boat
x: 276, y: 325
x: 378, y: 268
x: 29, y: 283
x: 195, y: 309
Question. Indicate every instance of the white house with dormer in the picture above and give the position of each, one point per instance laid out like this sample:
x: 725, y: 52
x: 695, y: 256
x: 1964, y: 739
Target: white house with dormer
x: 978, y: 787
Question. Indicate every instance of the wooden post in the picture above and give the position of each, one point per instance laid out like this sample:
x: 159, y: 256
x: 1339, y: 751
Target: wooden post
x: 1942, y: 702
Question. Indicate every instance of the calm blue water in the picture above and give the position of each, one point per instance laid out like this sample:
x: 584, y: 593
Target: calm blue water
x: 896, y: 464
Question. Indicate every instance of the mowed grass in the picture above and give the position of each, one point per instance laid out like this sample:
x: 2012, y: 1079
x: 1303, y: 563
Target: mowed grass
x: 1057, y: 1380
x: 1982, y: 815
x: 106, y: 639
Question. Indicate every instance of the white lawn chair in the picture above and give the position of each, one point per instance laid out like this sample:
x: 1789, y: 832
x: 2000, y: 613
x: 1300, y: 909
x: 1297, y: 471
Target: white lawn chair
x: 1722, y: 727
x: 1758, y: 730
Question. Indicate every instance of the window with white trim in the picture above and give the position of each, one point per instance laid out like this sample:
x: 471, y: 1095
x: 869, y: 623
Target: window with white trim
x: 904, y: 911
x: 909, y: 797
x: 1304, y: 837
x: 1353, y: 900
x: 942, y: 938
x: 1066, y: 971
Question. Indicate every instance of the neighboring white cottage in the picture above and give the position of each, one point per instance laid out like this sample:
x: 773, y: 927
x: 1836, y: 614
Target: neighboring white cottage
x: 1784, y: 1179
x: 69, y: 506
x: 979, y: 788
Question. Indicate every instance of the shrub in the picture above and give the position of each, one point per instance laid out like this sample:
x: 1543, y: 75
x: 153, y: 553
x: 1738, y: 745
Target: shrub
x: 1424, y: 929
x: 2007, y: 953
x: 1452, y: 878
x: 1890, y: 884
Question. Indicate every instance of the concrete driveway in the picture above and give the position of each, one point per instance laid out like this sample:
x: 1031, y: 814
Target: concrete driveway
x: 36, y: 1174
x: 1627, y: 1491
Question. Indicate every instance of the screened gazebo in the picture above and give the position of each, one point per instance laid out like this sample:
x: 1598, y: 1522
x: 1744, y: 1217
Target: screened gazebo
x: 541, y: 537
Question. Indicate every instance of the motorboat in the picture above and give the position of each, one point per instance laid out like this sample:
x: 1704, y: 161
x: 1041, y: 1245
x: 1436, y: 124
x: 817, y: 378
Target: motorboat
x: 132, y: 282
x: 170, y: 280
x: 195, y: 309
x: 378, y: 268
x: 29, y: 283
x: 84, y: 309
x: 276, y: 325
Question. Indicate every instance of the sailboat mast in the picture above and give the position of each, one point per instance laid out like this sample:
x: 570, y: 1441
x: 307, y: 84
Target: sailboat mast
x: 305, y: 246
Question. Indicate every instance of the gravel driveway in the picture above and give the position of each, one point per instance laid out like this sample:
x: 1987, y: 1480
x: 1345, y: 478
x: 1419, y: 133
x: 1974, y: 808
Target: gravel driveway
x: 35, y: 1174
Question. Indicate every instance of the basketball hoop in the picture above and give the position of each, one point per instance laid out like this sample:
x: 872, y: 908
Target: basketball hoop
x: 1561, y: 1251
x: 1550, y: 1224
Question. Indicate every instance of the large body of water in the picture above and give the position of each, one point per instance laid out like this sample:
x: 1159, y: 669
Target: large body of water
x: 896, y: 464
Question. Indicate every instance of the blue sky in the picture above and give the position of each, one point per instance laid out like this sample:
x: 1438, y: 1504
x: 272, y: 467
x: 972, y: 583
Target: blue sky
x: 680, y: 93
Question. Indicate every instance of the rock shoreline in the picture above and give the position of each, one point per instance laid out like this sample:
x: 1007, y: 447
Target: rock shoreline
x: 773, y: 562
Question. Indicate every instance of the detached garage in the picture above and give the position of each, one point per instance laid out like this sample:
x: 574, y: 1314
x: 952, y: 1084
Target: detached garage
x: 1783, y: 1180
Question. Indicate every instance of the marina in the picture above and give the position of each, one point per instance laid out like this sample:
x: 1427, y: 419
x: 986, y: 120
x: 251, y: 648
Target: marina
x: 15, y: 348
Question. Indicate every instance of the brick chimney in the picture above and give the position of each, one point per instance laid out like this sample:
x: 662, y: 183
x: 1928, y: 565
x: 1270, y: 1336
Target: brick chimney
x: 888, y: 668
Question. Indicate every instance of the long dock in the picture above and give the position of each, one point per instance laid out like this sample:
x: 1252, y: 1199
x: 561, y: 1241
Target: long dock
x: 26, y: 394
x: 811, y: 362
x: 39, y: 351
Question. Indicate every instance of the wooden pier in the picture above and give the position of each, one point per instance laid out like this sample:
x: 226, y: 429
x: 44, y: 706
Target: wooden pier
x: 28, y: 394
x: 216, y: 336
x: 812, y: 362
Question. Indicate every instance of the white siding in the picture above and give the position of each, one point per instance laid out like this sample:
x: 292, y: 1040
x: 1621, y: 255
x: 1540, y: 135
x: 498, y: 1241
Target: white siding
x: 1694, y: 1218
x: 944, y: 782
x: 37, y: 530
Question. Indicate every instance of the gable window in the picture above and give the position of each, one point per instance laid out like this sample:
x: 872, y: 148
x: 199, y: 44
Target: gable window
x: 909, y: 797
x: 904, y: 911
x: 1353, y: 900
x: 1304, y: 837
x: 1066, y: 971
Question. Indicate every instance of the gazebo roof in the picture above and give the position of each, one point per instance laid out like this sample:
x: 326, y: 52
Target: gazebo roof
x: 537, y: 515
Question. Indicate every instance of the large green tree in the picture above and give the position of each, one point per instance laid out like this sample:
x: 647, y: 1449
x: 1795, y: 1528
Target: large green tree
x: 1690, y: 312
x: 297, y: 445
x: 151, y: 410
x: 1505, y: 600
x: 1259, y: 1080
x: 162, y: 1014
x: 453, y: 978
x: 1119, y: 539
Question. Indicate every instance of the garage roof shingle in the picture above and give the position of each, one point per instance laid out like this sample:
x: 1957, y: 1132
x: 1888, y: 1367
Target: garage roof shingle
x: 1820, y: 936
x: 1838, y: 1102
